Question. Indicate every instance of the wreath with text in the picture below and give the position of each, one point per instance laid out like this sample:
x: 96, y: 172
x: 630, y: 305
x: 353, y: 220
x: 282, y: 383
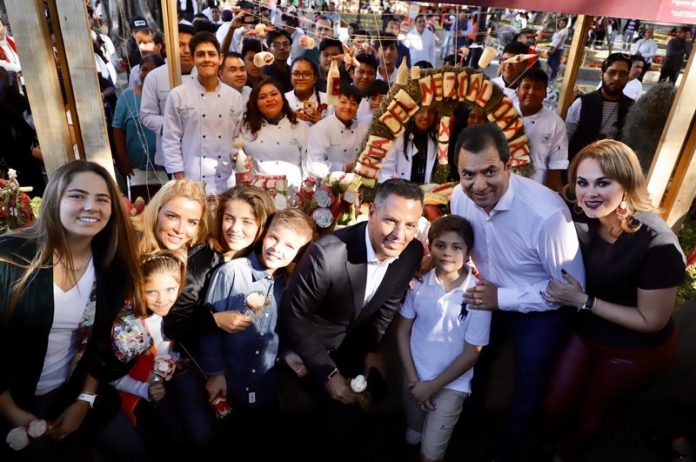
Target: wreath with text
x: 443, y: 89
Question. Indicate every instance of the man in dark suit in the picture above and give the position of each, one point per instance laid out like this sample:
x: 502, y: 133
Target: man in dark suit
x: 345, y: 292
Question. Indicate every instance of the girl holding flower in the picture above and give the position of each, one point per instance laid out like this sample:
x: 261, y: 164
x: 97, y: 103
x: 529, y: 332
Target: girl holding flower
x: 62, y: 282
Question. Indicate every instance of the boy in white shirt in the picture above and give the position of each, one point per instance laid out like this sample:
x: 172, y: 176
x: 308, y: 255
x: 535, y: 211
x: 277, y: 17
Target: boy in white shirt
x: 202, y: 117
x: 440, y: 340
x: 548, y: 139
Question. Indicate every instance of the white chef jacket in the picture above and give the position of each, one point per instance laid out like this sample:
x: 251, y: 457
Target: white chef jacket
x: 198, y: 132
x: 548, y: 142
x: 523, y: 243
x: 153, y: 100
x: 279, y: 150
x: 296, y: 104
x: 398, y: 165
x: 509, y: 92
x: 331, y: 145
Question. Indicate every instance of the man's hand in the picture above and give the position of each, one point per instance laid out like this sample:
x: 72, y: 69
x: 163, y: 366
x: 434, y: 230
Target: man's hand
x: 124, y: 166
x: 69, y: 421
x: 232, y: 322
x: 483, y: 296
x: 338, y: 389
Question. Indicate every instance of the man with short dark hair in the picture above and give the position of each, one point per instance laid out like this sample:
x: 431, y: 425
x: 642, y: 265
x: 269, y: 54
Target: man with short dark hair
x: 393, y: 26
x: 510, y: 71
x: 341, y: 299
x: 201, y: 117
x: 677, y: 49
x: 421, y: 42
x: 601, y: 113
x: 233, y: 73
x: 291, y: 24
x: 279, y: 44
x: 363, y: 75
x: 385, y: 44
x: 527, y: 238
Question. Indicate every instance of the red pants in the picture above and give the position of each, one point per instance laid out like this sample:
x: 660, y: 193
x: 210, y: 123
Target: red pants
x: 589, y: 378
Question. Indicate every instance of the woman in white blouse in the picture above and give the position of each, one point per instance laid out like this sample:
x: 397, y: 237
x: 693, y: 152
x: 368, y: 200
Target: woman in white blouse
x: 414, y: 154
x: 305, y: 99
x: 273, y: 137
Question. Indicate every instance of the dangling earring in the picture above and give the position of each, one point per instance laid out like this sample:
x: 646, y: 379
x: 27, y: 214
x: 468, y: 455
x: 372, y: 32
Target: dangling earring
x: 622, y: 210
x: 577, y: 209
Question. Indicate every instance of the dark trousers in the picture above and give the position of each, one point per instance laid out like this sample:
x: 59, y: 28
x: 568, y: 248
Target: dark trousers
x: 589, y: 378
x: 554, y: 62
x: 536, y: 339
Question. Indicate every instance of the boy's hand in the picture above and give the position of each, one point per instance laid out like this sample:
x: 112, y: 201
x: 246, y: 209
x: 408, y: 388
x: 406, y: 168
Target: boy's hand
x: 216, y: 386
x: 422, y: 392
x: 294, y: 362
x: 232, y: 322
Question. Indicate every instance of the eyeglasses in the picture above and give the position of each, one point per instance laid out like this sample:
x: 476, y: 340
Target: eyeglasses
x: 303, y: 75
x: 280, y: 44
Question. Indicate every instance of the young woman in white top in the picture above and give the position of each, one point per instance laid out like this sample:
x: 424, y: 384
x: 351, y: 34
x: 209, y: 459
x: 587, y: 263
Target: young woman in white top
x: 305, y: 99
x: 414, y: 154
x: 273, y: 137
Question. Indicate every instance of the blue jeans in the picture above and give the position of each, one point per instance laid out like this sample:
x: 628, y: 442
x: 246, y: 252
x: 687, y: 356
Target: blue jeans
x: 554, y: 62
x: 536, y: 339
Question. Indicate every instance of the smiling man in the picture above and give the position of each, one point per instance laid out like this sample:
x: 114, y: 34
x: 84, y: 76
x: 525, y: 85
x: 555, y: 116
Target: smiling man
x: 233, y: 73
x: 341, y: 299
x: 202, y: 117
x: 601, y: 113
x: 525, y: 238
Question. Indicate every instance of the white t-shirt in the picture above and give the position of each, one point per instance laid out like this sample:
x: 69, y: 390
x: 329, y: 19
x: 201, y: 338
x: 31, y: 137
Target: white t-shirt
x: 63, y: 338
x: 439, y: 332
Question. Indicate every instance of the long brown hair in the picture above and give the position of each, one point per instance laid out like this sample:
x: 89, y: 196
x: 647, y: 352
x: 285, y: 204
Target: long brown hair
x: 259, y: 201
x: 115, y: 244
x: 254, y: 119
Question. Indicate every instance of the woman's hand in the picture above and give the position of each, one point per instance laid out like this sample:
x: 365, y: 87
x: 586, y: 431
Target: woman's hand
x: 216, y: 386
x: 232, y: 322
x: 568, y: 292
x: 69, y: 421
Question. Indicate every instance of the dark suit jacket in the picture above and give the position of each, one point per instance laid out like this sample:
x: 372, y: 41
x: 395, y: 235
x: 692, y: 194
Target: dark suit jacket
x: 322, y: 317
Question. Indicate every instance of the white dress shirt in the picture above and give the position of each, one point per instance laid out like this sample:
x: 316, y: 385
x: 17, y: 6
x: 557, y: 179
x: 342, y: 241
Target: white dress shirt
x: 198, y: 131
x: 523, y: 243
x: 279, y: 150
x: 153, y: 100
x: 332, y: 145
x: 376, y: 269
x: 548, y: 142
x: 421, y: 46
x: 646, y: 47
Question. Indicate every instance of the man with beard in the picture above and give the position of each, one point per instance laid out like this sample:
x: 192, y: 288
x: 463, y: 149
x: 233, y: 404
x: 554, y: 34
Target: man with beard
x: 600, y: 114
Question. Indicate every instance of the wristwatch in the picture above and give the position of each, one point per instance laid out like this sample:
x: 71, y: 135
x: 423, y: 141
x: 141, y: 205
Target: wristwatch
x: 589, y: 303
x: 90, y: 398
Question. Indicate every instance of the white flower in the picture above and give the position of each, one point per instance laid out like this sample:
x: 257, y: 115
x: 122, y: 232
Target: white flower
x: 18, y: 438
x: 37, y: 428
x: 11, y: 174
x: 358, y: 384
x: 322, y: 217
x: 255, y: 301
x: 323, y: 198
x: 350, y: 196
x: 281, y: 202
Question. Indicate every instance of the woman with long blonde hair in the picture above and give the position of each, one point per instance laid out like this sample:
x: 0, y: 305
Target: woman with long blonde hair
x: 624, y: 335
x: 62, y: 282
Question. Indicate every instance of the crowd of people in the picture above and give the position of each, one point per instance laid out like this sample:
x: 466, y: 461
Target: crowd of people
x: 182, y: 324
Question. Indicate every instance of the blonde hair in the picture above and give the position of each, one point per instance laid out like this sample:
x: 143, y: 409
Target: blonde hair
x: 620, y: 163
x: 259, y: 201
x: 146, y: 223
x: 161, y: 261
x: 116, y: 243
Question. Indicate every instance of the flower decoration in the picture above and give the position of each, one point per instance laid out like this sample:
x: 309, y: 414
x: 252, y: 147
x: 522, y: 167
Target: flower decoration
x: 163, y: 368
x: 15, y: 205
x: 332, y: 201
x: 256, y: 302
x: 19, y: 438
x: 130, y: 337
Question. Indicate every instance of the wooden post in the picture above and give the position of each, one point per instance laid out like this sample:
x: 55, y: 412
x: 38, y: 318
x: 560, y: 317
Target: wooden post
x: 170, y: 21
x: 673, y: 144
x: 72, y: 15
x: 41, y: 78
x: 575, y: 59
x: 681, y: 193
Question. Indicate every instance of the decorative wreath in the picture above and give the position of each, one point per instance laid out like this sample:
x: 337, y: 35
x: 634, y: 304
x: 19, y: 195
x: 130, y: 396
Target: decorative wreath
x: 444, y: 89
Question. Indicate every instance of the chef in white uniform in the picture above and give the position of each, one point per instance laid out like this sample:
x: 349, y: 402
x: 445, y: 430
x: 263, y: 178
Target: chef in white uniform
x: 202, y: 117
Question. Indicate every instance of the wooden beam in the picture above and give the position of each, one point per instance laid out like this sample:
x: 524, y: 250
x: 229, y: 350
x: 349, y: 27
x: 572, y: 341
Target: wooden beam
x: 170, y: 22
x: 674, y: 135
x: 576, y: 56
x: 77, y: 39
x: 41, y: 78
x: 682, y: 189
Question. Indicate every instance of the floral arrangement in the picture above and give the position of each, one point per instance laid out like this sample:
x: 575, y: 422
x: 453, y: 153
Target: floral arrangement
x: 15, y: 205
x: 130, y: 337
x: 334, y: 200
x: 18, y: 437
x: 256, y: 302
